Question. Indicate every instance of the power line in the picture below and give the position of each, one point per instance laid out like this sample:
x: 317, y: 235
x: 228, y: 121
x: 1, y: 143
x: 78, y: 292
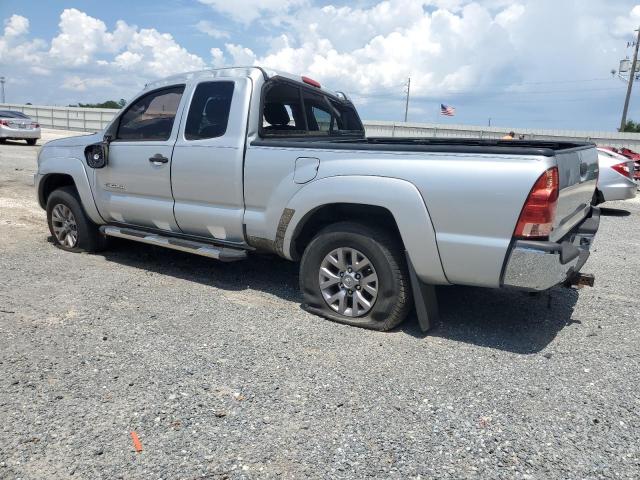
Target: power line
x: 387, y: 90
x: 462, y: 93
x: 559, y: 81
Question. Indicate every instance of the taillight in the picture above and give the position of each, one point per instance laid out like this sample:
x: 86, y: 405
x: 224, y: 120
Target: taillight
x: 35, y: 125
x: 4, y: 122
x: 623, y: 169
x: 539, y: 211
x: 311, y: 81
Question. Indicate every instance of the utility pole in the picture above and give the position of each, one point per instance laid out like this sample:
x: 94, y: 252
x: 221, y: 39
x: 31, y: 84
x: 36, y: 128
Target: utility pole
x: 2, y: 80
x: 489, y: 122
x: 406, y: 107
x: 632, y: 76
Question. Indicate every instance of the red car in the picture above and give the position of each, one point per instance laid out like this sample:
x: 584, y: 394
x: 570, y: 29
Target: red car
x: 635, y: 156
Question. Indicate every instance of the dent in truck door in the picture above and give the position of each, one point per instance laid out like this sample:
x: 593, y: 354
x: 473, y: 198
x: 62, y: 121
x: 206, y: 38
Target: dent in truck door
x: 206, y: 172
x: 135, y: 186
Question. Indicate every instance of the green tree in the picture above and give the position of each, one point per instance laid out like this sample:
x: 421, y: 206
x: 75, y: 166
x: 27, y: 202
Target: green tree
x: 631, y: 126
x: 108, y: 104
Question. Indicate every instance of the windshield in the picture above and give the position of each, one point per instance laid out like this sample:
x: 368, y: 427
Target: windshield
x: 12, y: 114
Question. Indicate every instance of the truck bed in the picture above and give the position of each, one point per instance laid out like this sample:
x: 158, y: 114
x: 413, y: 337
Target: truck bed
x: 444, y: 145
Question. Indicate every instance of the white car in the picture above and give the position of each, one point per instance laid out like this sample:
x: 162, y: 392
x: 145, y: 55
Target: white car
x: 615, y: 181
x: 17, y: 126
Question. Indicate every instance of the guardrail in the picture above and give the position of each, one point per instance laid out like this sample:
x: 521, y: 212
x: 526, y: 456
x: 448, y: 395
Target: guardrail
x: 95, y: 119
x: 401, y: 129
x: 66, y: 118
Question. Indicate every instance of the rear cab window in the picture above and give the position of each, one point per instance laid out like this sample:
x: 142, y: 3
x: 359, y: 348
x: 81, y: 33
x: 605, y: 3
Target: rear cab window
x: 209, y: 110
x: 292, y: 110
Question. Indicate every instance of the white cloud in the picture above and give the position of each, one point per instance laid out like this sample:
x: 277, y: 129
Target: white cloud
x: 15, y: 48
x: 81, y: 84
x: 83, y: 39
x: 367, y: 48
x: 217, y: 58
x: 158, y: 53
x: 80, y: 37
x: 443, y: 45
x: 625, y: 24
x: 89, y: 57
x: 509, y: 15
x: 15, y: 26
x: 380, y: 46
x: 128, y: 60
x: 240, y: 55
x: 246, y: 11
x: 207, y: 27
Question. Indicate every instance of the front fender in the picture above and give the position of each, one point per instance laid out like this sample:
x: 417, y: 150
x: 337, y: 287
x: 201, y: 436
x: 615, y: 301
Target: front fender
x: 76, y: 169
x: 400, y: 197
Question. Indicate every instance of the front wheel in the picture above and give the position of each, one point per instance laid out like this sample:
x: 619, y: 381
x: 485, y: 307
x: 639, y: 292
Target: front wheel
x: 355, y: 274
x: 31, y: 141
x: 71, y: 228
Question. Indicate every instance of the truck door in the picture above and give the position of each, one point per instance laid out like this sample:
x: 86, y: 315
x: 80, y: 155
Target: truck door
x: 135, y: 187
x: 207, y: 169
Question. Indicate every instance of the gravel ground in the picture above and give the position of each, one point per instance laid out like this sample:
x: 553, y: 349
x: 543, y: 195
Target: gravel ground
x: 222, y: 375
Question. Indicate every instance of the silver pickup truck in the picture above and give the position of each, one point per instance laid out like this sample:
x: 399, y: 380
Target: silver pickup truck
x: 226, y: 162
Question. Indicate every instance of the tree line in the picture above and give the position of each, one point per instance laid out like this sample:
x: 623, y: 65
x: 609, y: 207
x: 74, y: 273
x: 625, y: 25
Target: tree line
x: 631, y: 126
x: 108, y: 104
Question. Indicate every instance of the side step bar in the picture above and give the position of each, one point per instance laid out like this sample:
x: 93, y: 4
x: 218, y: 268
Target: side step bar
x: 224, y: 254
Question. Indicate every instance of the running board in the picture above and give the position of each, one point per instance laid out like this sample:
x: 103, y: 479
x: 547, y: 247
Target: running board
x: 224, y: 254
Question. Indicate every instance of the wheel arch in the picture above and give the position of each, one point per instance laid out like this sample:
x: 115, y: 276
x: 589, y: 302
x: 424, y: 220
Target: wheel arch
x: 395, y: 202
x: 329, y: 213
x: 51, y: 182
x: 60, y: 171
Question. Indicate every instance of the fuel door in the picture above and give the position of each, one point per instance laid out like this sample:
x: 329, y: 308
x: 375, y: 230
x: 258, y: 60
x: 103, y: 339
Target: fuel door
x: 306, y: 169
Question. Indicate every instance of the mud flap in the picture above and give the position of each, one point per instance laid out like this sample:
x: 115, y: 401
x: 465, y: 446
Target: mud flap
x: 425, y: 299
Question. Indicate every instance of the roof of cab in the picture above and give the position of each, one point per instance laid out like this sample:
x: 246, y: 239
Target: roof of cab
x: 228, y: 72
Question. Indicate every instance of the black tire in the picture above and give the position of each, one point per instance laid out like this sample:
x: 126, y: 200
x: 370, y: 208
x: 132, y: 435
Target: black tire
x: 32, y: 141
x: 3, y: 140
x: 383, y: 250
x: 89, y: 238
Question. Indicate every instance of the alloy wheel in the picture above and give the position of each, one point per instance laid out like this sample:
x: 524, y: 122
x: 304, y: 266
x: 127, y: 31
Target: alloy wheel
x: 64, y: 225
x: 348, y: 282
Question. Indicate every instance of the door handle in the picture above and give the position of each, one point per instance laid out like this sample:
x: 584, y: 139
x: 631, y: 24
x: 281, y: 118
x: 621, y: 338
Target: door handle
x: 158, y: 158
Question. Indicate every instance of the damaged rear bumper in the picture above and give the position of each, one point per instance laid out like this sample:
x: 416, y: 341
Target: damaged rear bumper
x: 540, y: 265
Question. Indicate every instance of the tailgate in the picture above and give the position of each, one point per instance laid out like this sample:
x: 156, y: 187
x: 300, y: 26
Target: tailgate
x: 578, y: 176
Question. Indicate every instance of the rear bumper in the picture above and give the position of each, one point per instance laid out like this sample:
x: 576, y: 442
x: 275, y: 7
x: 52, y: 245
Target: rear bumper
x: 621, y: 190
x: 19, y: 133
x: 540, y: 265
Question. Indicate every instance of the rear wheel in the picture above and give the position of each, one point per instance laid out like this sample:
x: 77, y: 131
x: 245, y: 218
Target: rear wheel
x: 71, y: 228
x: 3, y: 140
x: 355, y: 274
x: 31, y: 141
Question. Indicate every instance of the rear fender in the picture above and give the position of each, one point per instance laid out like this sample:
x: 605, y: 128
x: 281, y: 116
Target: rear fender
x: 400, y: 197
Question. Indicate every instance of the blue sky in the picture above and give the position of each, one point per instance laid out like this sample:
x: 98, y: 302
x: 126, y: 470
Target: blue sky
x: 522, y: 63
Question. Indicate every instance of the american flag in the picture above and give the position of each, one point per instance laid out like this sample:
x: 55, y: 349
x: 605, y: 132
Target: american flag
x: 447, y: 110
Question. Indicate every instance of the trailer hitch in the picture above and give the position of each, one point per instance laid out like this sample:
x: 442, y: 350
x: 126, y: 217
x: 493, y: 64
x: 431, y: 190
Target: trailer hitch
x: 580, y: 280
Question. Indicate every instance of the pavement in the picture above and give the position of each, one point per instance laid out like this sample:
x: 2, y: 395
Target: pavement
x: 221, y: 374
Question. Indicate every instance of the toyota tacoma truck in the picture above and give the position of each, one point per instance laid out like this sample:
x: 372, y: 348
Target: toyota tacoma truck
x: 227, y: 162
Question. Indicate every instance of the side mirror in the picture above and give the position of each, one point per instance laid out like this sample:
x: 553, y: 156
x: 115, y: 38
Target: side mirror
x: 96, y: 155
